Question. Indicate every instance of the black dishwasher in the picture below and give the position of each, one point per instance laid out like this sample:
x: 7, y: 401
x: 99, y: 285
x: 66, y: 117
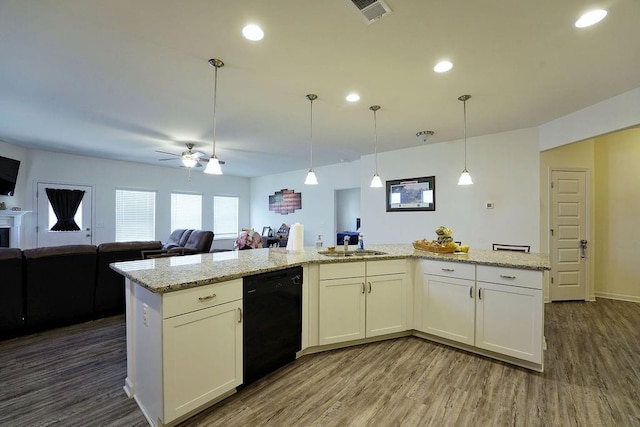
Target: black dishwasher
x: 272, y: 321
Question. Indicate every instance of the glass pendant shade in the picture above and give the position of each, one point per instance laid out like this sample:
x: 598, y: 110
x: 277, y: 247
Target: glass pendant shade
x: 311, y: 178
x: 376, y: 182
x: 465, y: 178
x: 213, y: 167
x: 188, y: 162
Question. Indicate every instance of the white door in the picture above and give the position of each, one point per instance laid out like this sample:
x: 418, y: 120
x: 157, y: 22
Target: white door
x: 509, y: 320
x: 46, y: 218
x: 342, y: 310
x: 568, y: 231
x: 448, y: 307
x: 385, y: 305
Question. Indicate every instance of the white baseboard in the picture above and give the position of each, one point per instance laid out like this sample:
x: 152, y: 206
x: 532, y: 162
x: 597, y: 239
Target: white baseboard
x: 620, y: 297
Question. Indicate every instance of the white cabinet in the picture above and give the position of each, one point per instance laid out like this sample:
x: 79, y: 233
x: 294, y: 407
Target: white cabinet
x: 202, y: 357
x: 448, y: 300
x: 361, y: 300
x: 509, y: 317
x: 492, y: 308
x: 187, y: 349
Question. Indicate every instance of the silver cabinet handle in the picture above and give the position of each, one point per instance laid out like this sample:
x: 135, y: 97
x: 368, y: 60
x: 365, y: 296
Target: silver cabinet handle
x: 239, y: 315
x: 470, y: 291
x: 448, y: 270
x: 479, y: 293
x: 369, y: 287
x: 504, y: 276
x: 207, y: 298
x: 363, y: 287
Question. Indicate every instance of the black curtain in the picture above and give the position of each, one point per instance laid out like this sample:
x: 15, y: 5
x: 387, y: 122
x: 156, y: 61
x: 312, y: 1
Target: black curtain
x: 65, y: 204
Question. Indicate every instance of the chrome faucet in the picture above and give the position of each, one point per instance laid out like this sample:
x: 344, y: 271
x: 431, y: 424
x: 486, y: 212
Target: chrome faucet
x: 346, y: 243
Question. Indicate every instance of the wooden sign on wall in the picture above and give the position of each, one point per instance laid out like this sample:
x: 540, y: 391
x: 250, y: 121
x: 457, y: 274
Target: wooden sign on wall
x: 285, y: 201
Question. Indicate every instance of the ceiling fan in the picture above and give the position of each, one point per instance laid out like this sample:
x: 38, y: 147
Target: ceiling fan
x: 190, y: 159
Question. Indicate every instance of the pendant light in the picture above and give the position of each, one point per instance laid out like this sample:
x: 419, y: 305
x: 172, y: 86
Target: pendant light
x: 376, y: 182
x: 465, y: 177
x: 311, y: 175
x: 213, y: 167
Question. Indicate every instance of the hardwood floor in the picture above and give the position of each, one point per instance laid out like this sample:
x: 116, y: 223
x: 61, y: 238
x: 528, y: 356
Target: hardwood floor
x: 74, y: 376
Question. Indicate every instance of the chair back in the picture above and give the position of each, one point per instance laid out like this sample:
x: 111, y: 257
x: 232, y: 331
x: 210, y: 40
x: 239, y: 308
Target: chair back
x: 174, y: 239
x: 512, y: 248
x: 199, y: 241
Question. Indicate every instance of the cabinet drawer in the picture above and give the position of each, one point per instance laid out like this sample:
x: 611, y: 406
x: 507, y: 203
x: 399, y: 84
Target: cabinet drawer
x: 388, y: 266
x: 188, y: 300
x: 342, y: 270
x: 449, y: 269
x: 510, y: 276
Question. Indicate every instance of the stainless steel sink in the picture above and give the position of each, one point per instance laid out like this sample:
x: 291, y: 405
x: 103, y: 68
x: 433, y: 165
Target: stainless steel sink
x: 354, y: 253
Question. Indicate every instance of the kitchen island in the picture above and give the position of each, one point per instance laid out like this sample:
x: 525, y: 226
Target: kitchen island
x: 185, y: 314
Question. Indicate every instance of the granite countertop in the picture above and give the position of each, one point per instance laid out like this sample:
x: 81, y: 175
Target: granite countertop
x: 162, y: 275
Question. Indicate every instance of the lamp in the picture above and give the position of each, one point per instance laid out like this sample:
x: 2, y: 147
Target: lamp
x: 311, y: 175
x: 189, y: 161
x: 376, y: 182
x: 213, y: 167
x: 465, y: 177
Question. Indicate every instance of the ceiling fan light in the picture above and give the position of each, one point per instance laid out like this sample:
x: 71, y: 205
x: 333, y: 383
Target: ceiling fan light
x: 465, y: 178
x: 213, y: 167
x: 376, y: 182
x: 311, y: 178
x: 189, y: 162
x: 590, y: 18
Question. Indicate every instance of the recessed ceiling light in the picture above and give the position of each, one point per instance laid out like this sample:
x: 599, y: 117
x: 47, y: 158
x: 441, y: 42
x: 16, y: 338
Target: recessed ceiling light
x: 353, y: 97
x: 443, y: 67
x: 590, y: 18
x: 252, y: 32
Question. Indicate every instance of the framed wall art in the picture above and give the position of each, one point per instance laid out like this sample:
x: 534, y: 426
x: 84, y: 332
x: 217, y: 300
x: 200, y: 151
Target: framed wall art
x: 411, y: 194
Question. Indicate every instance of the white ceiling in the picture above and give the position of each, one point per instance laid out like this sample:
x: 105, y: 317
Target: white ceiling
x: 121, y: 79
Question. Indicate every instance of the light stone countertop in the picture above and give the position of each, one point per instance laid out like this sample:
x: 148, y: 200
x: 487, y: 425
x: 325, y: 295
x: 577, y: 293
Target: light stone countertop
x: 162, y: 275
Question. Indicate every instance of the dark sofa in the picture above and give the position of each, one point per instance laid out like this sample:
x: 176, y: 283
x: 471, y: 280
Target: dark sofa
x: 48, y: 287
x: 109, y: 291
x: 11, y: 299
x: 59, y: 284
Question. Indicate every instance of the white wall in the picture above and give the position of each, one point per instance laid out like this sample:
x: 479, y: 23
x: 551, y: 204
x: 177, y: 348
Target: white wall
x: 613, y: 114
x: 504, y: 167
x: 318, y: 201
x: 108, y: 175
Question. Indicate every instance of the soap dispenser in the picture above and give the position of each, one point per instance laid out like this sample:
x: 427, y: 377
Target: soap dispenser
x: 360, y: 242
x: 319, y: 242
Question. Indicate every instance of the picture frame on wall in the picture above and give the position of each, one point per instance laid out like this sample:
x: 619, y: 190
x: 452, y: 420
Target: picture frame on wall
x: 411, y: 194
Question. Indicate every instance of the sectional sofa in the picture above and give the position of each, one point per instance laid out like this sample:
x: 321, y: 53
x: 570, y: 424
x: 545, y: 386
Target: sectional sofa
x: 44, y: 288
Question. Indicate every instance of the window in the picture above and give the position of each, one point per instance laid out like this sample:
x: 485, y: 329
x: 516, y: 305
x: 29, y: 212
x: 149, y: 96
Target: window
x: 186, y: 211
x: 135, y: 215
x: 52, y: 219
x: 225, y: 217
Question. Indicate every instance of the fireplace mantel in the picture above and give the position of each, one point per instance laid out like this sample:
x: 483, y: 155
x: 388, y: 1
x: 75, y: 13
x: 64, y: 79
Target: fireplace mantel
x: 12, y: 220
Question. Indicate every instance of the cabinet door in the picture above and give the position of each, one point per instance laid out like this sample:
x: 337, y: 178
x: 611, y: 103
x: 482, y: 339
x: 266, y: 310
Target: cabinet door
x: 202, y: 357
x: 449, y: 308
x: 342, y: 310
x: 386, y: 304
x: 509, y: 320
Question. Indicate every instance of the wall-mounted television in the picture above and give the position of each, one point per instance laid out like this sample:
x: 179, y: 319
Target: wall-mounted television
x: 8, y: 175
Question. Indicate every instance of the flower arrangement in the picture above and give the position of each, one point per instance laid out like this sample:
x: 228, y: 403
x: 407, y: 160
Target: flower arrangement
x: 248, y: 239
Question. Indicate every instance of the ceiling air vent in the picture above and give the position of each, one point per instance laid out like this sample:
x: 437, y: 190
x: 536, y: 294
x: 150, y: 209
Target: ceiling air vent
x: 371, y: 10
